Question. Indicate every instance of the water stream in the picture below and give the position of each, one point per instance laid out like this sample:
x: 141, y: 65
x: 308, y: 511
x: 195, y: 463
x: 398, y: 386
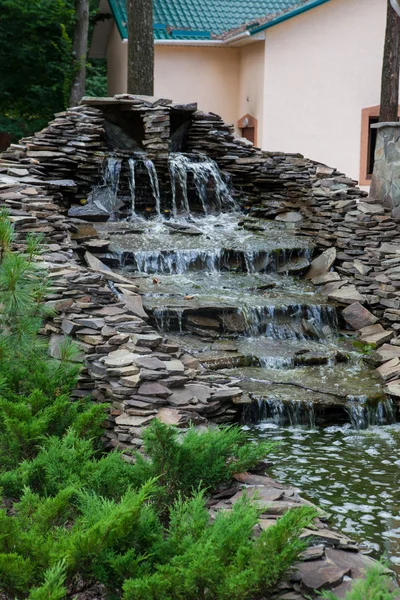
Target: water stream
x: 228, y: 290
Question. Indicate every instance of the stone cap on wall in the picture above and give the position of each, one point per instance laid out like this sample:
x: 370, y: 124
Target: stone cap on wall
x: 387, y: 124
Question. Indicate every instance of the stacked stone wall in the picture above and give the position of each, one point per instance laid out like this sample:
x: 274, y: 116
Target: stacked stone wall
x: 128, y: 365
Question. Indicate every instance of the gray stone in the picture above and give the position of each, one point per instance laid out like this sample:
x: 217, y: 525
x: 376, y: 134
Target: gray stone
x: 133, y: 421
x: 375, y: 335
x: 358, y: 317
x: 151, y: 340
x: 134, y: 304
x: 149, y: 362
x: 322, y: 264
x: 327, y: 278
x: 347, y: 295
x: 389, y: 369
x: 55, y: 345
x: 120, y: 358
x: 388, y: 351
x: 289, y: 217
x: 174, y: 367
x: 181, y: 397
x: 201, y: 392
x: 131, y: 381
x: 154, y: 389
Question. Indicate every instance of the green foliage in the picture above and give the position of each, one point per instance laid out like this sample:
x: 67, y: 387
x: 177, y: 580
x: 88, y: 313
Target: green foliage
x: 207, y: 459
x: 376, y: 586
x: 364, y: 348
x: 36, y: 68
x: 222, y: 561
x: 53, y: 586
x: 96, y: 78
x: 76, y: 516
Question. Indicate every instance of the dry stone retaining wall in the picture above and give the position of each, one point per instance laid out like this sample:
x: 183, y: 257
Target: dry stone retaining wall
x: 128, y: 365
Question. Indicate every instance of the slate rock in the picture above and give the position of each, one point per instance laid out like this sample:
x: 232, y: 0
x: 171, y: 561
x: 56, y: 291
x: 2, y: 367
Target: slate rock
x: 154, y: 389
x: 358, y: 317
x: 322, y: 264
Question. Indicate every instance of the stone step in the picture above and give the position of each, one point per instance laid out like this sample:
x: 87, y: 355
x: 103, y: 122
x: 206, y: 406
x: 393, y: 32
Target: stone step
x: 306, y: 395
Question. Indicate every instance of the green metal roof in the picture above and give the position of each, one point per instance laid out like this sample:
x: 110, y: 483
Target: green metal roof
x: 194, y: 19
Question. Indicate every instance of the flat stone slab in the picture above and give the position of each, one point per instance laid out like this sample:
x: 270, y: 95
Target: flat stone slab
x: 201, y: 392
x: 322, y: 264
x: 150, y: 362
x: 263, y: 495
x: 227, y: 394
x: 389, y: 369
x: 120, y: 358
x: 131, y: 381
x: 154, y: 389
x: 289, y: 217
x: 170, y: 416
x: 174, y: 367
x: 150, y: 340
x: 181, y: 397
x: 347, y: 294
x: 358, y: 317
x: 371, y: 209
x: 393, y: 388
x: 388, y: 352
x: 134, y: 304
x: 321, y: 576
x: 327, y: 278
x: 375, y: 334
x: 134, y: 421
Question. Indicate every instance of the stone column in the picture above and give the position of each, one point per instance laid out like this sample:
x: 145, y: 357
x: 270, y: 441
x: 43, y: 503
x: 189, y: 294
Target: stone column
x: 385, y: 184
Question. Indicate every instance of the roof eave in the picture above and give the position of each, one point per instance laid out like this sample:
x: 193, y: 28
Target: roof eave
x: 288, y: 15
x: 240, y: 39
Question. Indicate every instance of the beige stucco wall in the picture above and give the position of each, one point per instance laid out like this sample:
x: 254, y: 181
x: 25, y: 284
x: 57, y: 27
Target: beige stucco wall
x: 208, y: 76
x: 251, y: 84
x: 321, y: 69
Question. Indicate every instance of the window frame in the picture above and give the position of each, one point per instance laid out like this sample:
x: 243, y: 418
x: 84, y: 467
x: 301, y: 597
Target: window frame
x: 249, y: 122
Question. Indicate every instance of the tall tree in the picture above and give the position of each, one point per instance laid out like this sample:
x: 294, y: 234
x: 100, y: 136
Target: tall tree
x: 391, y: 66
x: 140, y: 47
x: 79, y: 50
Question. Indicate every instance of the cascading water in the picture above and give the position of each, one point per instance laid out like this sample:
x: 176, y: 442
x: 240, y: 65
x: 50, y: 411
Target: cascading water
x: 154, y: 183
x: 225, y: 289
x: 203, y: 171
x: 177, y: 262
x: 111, y: 176
x: 291, y: 321
x: 274, y: 410
x: 132, y: 183
x: 364, y: 414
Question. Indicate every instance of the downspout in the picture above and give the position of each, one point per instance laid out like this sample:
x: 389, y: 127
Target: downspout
x: 395, y: 4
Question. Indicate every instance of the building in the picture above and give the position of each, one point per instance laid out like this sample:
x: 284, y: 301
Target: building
x: 291, y: 75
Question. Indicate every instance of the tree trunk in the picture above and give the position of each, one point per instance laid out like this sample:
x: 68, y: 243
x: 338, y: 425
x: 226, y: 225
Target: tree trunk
x: 79, y: 50
x: 140, y: 47
x: 390, y: 68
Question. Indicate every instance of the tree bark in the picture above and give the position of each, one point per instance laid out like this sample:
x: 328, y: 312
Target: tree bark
x: 79, y: 50
x: 140, y: 47
x: 390, y: 68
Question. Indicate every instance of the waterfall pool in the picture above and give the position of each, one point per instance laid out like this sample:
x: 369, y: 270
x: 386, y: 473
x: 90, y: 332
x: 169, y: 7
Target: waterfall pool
x: 228, y: 290
x: 353, y: 475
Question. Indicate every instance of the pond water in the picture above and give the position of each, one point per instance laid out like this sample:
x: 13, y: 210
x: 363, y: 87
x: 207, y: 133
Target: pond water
x: 353, y: 475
